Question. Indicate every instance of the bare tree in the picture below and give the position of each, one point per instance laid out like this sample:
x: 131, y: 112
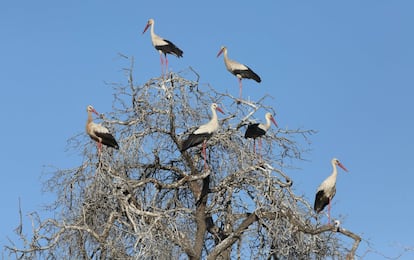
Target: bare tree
x: 150, y: 201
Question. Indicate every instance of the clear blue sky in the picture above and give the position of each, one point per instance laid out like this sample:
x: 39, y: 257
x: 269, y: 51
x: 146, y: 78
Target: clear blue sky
x: 345, y: 69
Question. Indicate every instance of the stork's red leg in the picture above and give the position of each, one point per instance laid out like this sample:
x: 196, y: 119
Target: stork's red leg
x: 162, y: 64
x: 99, y: 148
x: 166, y: 65
x: 240, y: 87
x: 260, y: 145
x: 260, y: 148
x: 329, y: 212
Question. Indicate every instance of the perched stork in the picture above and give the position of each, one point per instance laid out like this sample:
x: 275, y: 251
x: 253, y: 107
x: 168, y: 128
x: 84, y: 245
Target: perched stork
x: 99, y: 133
x: 327, y: 190
x: 203, y: 132
x: 163, y: 46
x: 258, y: 130
x: 239, y: 70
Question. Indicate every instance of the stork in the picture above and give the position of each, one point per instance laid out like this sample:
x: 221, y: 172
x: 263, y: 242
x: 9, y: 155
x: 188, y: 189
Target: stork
x: 327, y: 190
x: 239, y: 70
x: 99, y: 133
x: 258, y: 130
x: 163, y: 46
x: 203, y: 133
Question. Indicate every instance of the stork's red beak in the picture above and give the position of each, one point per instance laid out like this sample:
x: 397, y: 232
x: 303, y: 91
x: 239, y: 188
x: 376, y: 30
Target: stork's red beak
x: 146, y: 28
x: 95, y: 112
x: 219, y: 109
x: 220, y: 52
x: 274, y: 121
x: 343, y: 167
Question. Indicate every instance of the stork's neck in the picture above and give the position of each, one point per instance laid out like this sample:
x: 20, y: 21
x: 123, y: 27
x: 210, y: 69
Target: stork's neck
x: 152, y: 31
x: 88, y: 122
x: 89, y: 117
x: 334, y: 170
x: 230, y: 64
x: 213, y: 115
x: 225, y: 54
x: 267, y: 125
x: 226, y: 58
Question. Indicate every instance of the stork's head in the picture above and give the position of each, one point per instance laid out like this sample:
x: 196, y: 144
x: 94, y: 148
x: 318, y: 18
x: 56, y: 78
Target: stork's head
x: 91, y: 109
x: 337, y: 162
x: 214, y: 106
x: 222, y: 49
x: 270, y: 117
x: 150, y: 22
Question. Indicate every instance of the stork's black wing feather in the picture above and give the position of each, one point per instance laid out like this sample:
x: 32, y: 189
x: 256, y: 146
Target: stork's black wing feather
x: 254, y: 131
x: 321, y: 200
x: 170, y: 48
x: 248, y: 74
x: 193, y: 140
x: 108, y: 139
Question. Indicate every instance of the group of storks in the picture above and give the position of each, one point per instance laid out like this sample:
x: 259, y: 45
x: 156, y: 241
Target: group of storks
x: 325, y: 192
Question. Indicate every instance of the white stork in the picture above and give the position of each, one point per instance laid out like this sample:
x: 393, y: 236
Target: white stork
x: 203, y: 132
x: 239, y: 70
x: 163, y: 46
x: 258, y: 130
x: 327, y: 190
x: 99, y: 133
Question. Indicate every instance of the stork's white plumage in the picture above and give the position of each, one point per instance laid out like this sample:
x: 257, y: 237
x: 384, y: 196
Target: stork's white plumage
x: 99, y: 133
x: 241, y: 71
x: 326, y: 191
x: 203, y: 132
x: 163, y: 46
